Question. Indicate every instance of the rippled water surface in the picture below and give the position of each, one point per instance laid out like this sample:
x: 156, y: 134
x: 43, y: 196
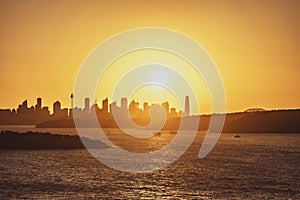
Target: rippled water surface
x: 253, y: 166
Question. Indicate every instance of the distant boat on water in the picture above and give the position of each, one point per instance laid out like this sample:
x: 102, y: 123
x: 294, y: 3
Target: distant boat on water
x: 157, y: 133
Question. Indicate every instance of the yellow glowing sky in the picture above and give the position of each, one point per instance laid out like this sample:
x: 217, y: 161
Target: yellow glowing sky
x: 255, y: 45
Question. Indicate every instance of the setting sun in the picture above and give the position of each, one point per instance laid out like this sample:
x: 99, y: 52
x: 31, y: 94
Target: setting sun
x: 140, y: 99
x: 254, y: 45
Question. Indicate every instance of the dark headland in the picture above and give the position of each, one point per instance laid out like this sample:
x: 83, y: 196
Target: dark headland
x: 35, y: 140
x: 275, y: 121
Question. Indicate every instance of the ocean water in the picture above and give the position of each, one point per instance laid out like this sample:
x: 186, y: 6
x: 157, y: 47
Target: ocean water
x: 254, y: 166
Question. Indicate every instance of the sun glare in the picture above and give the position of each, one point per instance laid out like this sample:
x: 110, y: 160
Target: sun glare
x: 155, y: 94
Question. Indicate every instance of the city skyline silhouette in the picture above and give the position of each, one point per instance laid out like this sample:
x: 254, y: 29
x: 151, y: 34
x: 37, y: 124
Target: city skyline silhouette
x: 150, y: 99
x: 250, y: 120
x: 38, y: 113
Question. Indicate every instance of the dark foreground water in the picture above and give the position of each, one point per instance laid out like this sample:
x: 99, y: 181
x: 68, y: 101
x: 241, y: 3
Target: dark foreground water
x: 255, y: 166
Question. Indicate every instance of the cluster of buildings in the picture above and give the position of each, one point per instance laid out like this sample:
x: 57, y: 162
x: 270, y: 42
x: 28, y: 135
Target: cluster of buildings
x: 133, y: 108
x: 37, y: 114
x: 33, y: 114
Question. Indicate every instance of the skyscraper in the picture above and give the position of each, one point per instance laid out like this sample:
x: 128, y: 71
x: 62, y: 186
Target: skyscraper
x: 72, y: 97
x: 113, y: 107
x: 38, y: 106
x: 105, y: 105
x: 87, y: 104
x: 56, y: 108
x: 146, y: 108
x: 187, y: 106
x: 165, y: 105
x: 124, y: 104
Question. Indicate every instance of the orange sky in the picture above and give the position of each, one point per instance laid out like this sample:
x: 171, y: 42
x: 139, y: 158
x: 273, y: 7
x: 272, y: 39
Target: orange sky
x: 255, y: 45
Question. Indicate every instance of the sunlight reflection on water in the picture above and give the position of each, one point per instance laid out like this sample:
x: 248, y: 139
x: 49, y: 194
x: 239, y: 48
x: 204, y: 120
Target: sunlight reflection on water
x: 252, y: 166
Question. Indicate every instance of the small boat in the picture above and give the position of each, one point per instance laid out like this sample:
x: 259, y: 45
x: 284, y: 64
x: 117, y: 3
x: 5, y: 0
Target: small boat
x: 156, y: 133
x: 236, y: 136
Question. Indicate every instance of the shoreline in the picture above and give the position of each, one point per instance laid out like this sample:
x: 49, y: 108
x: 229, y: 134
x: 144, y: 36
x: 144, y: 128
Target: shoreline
x: 45, y: 140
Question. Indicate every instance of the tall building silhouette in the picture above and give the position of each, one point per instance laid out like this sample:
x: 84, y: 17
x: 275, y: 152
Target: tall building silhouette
x: 146, y: 107
x: 87, y: 104
x: 72, y: 97
x: 173, y: 112
x: 56, y: 107
x: 187, y: 106
x: 124, y: 104
x: 113, y: 107
x: 58, y: 112
x: 134, y: 109
x: 165, y: 105
x: 22, y: 108
x: 105, y: 105
x: 38, y: 106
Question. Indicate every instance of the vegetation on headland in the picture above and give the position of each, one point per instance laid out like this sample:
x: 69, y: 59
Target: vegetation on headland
x: 276, y: 121
x: 36, y: 140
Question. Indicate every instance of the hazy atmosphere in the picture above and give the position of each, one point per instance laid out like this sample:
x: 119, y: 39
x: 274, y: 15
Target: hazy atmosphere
x: 255, y: 45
